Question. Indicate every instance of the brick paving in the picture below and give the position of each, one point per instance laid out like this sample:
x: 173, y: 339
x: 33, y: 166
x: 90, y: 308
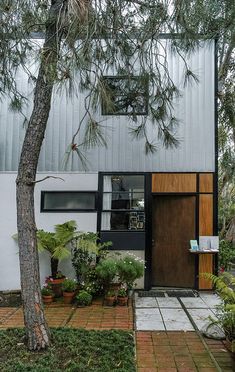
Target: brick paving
x: 180, y: 351
x: 155, y: 350
x: 102, y: 317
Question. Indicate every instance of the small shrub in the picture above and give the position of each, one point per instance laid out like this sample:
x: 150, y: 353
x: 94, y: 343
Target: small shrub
x: 129, y: 269
x: 226, y: 254
x: 83, y: 298
x: 46, y: 291
x: 69, y: 285
x: 122, y: 292
x: 106, y: 271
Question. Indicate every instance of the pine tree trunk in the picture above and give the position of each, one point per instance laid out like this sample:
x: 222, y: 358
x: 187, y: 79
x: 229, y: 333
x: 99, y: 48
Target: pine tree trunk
x: 37, y: 331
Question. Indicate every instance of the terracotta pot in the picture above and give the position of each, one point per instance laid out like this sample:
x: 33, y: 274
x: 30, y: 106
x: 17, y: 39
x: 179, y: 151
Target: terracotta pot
x: 47, y: 299
x: 68, y: 297
x: 109, y: 301
x: 122, y: 301
x: 56, y: 286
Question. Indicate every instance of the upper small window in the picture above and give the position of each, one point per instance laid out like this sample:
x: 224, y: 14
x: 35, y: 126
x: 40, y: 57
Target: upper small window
x: 62, y: 201
x: 125, y: 96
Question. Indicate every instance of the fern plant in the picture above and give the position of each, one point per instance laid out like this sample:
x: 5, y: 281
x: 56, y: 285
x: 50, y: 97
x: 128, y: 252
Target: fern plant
x: 225, y: 287
x: 56, y: 243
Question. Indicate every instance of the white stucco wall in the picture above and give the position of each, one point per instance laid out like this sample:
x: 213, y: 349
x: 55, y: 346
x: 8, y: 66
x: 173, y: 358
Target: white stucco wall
x: 9, y: 259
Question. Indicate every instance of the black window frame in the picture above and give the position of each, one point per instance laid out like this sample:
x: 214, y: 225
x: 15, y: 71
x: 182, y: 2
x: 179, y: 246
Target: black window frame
x: 61, y: 210
x: 101, y: 210
x: 104, y: 111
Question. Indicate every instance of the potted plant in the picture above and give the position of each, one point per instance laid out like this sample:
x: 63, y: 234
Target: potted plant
x: 69, y: 287
x: 47, y: 294
x: 107, y: 271
x: 129, y: 269
x: 110, y: 298
x: 83, y: 298
x: 122, y: 298
x: 56, y: 244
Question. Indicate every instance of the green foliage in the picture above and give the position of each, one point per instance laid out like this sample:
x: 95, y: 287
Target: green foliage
x: 86, y: 248
x: 73, y: 350
x: 226, y: 254
x: 225, y: 285
x: 69, y: 285
x: 46, y: 291
x: 107, y: 270
x: 122, y: 292
x: 129, y: 269
x: 83, y: 298
x: 56, y: 242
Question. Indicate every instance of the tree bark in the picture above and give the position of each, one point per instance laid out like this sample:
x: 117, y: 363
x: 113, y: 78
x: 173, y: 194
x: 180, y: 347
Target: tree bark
x: 37, y: 331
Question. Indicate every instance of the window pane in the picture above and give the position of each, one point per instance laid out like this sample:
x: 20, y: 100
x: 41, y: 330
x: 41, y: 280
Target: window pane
x: 123, y: 220
x: 68, y: 201
x: 123, y: 200
x: 123, y: 183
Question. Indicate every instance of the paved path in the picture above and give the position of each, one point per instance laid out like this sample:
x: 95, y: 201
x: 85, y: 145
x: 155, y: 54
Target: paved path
x: 174, y: 314
x: 157, y: 350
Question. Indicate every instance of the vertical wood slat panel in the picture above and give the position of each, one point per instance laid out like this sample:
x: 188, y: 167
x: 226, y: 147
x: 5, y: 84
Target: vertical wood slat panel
x: 206, y: 214
x: 206, y: 182
x: 174, y: 182
x: 205, y: 266
x: 205, y: 228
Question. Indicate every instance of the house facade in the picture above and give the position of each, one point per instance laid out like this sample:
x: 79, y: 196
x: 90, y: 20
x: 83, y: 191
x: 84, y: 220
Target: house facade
x: 151, y: 205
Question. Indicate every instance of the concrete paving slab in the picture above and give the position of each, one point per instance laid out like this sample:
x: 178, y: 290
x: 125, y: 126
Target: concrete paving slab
x: 178, y: 326
x: 210, y: 299
x: 193, y: 303
x: 201, y: 317
x: 145, y: 302
x: 173, y: 315
x: 168, y: 302
x: 150, y: 325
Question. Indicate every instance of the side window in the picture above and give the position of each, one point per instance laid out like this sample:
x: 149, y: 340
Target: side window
x: 62, y: 201
x: 125, y: 96
x: 123, y: 203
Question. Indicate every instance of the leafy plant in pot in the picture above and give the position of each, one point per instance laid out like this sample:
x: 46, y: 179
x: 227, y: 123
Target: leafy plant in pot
x: 122, y: 298
x: 130, y: 268
x: 69, y: 287
x: 56, y: 244
x: 83, y: 298
x: 106, y: 270
x: 47, y: 294
x: 86, y: 248
x: 110, y: 297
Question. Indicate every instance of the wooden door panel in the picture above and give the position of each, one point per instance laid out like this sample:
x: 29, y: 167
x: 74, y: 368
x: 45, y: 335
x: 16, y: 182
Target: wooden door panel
x: 173, y: 227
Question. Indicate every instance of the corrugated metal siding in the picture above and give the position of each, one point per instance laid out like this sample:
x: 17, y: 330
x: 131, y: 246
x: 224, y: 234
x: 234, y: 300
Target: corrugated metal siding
x: 195, y: 110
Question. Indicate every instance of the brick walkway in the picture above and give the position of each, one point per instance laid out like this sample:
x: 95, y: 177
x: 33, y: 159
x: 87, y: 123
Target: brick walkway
x: 156, y: 351
x: 180, y: 351
x: 95, y: 316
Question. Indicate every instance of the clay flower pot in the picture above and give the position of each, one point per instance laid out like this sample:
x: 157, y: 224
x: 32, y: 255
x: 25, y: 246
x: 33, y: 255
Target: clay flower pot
x: 68, y: 297
x: 56, y: 286
x: 122, y: 301
x: 47, y: 299
x: 110, y: 300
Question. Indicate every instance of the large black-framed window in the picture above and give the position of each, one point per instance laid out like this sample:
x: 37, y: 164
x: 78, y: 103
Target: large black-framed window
x: 68, y: 201
x: 125, y: 95
x: 123, y: 202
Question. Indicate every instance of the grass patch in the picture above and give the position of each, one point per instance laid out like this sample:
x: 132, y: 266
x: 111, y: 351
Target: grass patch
x: 72, y: 350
